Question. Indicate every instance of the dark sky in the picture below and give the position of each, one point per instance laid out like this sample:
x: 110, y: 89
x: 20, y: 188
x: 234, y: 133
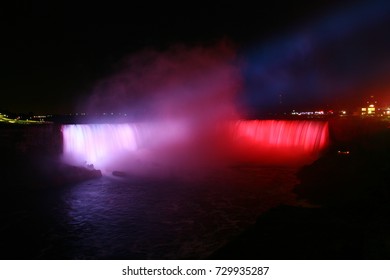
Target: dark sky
x: 53, y: 53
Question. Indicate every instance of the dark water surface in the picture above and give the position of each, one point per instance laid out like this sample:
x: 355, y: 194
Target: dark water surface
x: 114, y: 218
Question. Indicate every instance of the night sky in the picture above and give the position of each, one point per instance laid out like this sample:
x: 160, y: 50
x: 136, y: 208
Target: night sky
x: 305, y: 53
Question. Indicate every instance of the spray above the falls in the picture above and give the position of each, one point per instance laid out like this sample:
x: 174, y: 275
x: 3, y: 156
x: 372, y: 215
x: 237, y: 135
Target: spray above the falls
x: 182, y: 105
x: 197, y: 85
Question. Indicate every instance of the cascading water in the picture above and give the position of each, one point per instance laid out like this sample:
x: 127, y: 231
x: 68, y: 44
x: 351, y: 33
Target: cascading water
x: 279, y: 141
x: 95, y: 143
x: 305, y: 135
x: 105, y: 146
x: 252, y: 141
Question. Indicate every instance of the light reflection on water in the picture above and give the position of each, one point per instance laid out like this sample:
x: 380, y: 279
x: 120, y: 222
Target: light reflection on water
x: 111, y: 218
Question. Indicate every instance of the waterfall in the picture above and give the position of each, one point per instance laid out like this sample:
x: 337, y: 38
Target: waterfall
x: 305, y: 135
x: 255, y: 141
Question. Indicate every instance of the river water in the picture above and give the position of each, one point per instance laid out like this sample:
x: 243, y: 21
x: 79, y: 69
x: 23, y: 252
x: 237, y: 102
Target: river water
x: 115, y: 218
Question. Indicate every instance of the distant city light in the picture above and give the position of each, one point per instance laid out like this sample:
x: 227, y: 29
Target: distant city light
x: 343, y: 152
x: 310, y: 113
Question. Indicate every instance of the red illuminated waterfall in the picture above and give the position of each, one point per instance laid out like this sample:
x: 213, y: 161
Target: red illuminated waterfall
x: 254, y: 141
x: 304, y: 135
x: 279, y: 141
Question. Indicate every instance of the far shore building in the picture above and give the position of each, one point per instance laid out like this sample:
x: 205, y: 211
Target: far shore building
x: 371, y: 108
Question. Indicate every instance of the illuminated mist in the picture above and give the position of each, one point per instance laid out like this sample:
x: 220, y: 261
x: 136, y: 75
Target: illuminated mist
x: 183, y: 118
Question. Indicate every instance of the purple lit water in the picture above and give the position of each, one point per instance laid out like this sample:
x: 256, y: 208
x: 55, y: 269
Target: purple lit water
x: 172, y: 219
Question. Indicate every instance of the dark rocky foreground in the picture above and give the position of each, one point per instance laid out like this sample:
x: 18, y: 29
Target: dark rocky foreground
x: 347, y: 205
